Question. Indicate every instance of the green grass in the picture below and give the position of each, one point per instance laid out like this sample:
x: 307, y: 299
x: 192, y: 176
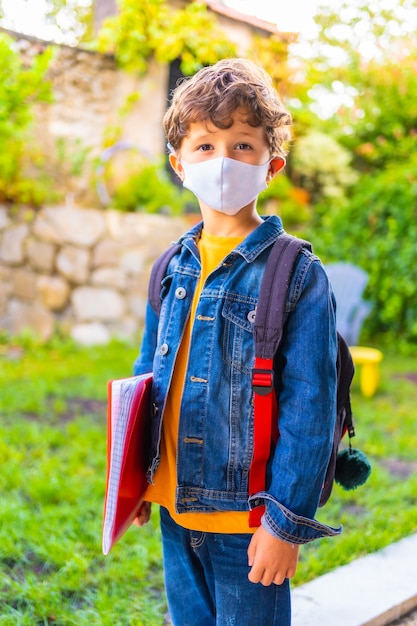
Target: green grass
x: 384, y: 509
x: 52, y: 455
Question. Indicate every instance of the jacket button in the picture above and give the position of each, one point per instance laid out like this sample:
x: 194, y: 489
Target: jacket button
x: 251, y: 316
x: 180, y: 293
x: 163, y: 349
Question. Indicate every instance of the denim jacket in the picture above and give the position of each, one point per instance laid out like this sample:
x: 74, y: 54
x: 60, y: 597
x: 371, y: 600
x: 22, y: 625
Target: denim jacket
x: 215, y: 440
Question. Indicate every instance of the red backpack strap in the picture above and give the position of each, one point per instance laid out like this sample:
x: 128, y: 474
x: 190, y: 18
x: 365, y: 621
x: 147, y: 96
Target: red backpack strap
x: 268, y: 328
x: 265, y: 429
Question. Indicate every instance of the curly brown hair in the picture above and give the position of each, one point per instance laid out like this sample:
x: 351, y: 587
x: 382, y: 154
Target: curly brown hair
x: 215, y: 92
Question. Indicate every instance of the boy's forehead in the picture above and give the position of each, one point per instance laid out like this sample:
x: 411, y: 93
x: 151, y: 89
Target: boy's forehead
x: 208, y: 128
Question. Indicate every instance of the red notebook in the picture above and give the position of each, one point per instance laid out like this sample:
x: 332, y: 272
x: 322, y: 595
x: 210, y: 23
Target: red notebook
x: 128, y: 416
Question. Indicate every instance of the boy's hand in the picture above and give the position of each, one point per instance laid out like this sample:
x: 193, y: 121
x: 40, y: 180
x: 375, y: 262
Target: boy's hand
x: 144, y: 514
x: 271, y: 559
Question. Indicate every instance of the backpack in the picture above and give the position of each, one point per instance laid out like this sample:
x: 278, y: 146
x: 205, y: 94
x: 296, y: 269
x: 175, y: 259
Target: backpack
x: 348, y: 467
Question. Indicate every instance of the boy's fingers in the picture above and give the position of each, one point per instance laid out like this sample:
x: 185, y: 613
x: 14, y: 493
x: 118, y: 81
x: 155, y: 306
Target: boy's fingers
x: 144, y: 514
x: 256, y: 574
x: 291, y: 572
x: 271, y: 560
x: 251, y: 552
x: 278, y: 580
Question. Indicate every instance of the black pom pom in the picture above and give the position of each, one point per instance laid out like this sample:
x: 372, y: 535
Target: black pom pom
x: 352, y: 468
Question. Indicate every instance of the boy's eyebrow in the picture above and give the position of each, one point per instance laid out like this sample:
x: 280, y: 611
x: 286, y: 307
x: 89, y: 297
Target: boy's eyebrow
x: 207, y: 134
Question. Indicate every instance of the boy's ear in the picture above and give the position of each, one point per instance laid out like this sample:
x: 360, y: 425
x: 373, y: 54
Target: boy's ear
x: 176, y: 165
x: 276, y: 164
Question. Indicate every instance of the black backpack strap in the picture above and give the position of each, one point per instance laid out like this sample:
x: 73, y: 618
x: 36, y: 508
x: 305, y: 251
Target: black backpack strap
x: 276, y: 280
x: 345, y: 372
x: 157, y: 275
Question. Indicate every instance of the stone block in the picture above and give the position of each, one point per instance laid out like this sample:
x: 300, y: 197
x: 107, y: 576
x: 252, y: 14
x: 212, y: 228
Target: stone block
x: 45, y: 230
x: 109, y: 277
x: 23, y: 283
x: 137, y: 306
x: 5, y: 275
x: 90, y: 334
x: 54, y: 292
x: 4, y: 219
x: 12, y: 245
x: 126, y: 328
x: 21, y: 316
x: 105, y: 252
x: 137, y: 285
x: 97, y: 303
x: 81, y: 227
x: 5, y: 287
x: 41, y: 255
x: 132, y: 261
x: 73, y: 264
x: 139, y: 228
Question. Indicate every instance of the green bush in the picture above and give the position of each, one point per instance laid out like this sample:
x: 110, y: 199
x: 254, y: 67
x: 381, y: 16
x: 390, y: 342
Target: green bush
x: 21, y: 88
x: 377, y: 230
x: 289, y: 202
x: 152, y: 191
x: 385, y: 129
x: 155, y: 28
x: 322, y: 166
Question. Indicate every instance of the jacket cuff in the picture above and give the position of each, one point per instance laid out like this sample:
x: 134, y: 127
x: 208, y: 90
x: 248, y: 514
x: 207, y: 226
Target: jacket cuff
x: 286, y: 525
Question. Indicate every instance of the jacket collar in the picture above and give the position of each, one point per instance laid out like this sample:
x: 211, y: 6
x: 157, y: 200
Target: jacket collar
x: 255, y: 243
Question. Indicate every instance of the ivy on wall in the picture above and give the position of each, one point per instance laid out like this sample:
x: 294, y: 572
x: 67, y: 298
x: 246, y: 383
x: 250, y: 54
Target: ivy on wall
x: 154, y: 28
x: 21, y: 88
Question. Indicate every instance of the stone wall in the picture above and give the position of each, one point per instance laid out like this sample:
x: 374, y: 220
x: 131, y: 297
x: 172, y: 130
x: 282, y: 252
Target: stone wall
x: 93, y: 101
x: 84, y: 271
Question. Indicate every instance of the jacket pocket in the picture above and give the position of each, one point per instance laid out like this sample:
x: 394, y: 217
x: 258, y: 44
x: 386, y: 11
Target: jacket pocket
x: 238, y: 344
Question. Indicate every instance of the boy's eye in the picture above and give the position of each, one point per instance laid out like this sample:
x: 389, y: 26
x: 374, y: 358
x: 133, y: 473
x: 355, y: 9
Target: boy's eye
x: 205, y: 147
x: 243, y: 146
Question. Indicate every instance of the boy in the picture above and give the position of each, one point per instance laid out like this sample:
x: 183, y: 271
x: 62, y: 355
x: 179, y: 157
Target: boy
x: 226, y: 129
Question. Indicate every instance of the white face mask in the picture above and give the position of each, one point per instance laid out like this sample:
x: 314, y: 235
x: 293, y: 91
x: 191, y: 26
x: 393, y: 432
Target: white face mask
x: 224, y: 184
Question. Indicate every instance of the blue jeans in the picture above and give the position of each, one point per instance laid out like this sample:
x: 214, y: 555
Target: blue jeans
x: 206, y: 580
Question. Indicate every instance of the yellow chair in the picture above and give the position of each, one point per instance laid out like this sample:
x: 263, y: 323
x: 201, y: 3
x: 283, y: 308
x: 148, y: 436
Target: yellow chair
x: 368, y: 359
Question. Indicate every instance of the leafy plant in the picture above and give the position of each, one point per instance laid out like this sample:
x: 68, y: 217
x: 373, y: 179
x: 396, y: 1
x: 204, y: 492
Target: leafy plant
x: 273, y: 53
x: 68, y: 21
x: 151, y: 190
x: 371, y: 221
x: 74, y: 18
x: 377, y: 229
x: 322, y: 166
x: 381, y: 126
x: 141, y: 30
x: 21, y: 88
x: 360, y: 80
x: 291, y: 203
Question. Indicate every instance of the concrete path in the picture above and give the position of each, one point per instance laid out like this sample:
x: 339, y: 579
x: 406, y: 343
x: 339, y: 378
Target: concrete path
x: 372, y: 591
x: 407, y: 620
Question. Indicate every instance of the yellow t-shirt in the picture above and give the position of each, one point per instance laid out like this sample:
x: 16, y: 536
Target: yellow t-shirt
x: 213, y: 250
